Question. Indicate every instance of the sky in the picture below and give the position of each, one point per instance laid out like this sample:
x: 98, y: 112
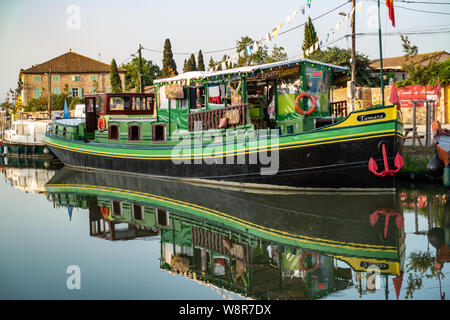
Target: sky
x: 32, y: 32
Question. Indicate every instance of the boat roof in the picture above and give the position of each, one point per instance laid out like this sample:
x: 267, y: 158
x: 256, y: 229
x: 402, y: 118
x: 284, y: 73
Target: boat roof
x: 247, y: 69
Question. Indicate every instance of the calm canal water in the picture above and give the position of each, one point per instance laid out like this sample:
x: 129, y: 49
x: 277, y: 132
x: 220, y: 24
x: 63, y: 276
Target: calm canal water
x: 68, y: 234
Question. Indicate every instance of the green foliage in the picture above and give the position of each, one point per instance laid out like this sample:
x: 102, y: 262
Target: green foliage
x: 310, y: 37
x: 5, y: 106
x: 278, y: 54
x: 211, y: 63
x: 256, y: 58
x: 57, y: 102
x: 419, y: 72
x: 116, y: 83
x: 150, y: 72
x: 341, y: 57
x: 200, y: 62
x: 169, y: 68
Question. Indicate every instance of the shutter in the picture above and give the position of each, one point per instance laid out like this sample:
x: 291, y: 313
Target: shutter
x: 80, y: 92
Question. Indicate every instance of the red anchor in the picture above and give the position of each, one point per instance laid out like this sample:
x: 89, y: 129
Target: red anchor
x: 399, y: 220
x: 387, y: 172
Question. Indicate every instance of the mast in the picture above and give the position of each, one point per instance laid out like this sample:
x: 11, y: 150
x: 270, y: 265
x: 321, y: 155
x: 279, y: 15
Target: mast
x: 353, y: 63
x: 381, y: 54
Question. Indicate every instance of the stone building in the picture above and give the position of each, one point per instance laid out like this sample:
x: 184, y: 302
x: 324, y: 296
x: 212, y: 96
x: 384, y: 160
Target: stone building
x: 70, y: 73
x: 395, y: 64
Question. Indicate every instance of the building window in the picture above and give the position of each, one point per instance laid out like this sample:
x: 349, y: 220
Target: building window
x: 56, y: 78
x: 113, y: 132
x: 134, y: 133
x: 76, y: 78
x: 57, y: 91
x: 159, y: 133
x: 93, y: 90
x: 116, y: 208
x: 137, y: 212
x: 109, y: 89
x: 37, y: 93
x: 162, y: 217
x: 94, y: 78
x: 37, y: 78
x: 76, y: 92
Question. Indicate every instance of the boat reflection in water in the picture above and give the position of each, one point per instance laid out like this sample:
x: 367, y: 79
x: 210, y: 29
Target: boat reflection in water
x: 28, y: 175
x: 261, y: 246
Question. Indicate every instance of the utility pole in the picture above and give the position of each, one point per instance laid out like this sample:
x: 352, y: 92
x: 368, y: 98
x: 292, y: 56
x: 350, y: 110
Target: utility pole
x: 140, y: 69
x: 49, y: 94
x: 353, y: 64
x: 381, y: 54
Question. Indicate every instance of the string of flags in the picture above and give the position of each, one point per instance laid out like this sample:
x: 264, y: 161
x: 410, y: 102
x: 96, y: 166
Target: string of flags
x: 275, y: 32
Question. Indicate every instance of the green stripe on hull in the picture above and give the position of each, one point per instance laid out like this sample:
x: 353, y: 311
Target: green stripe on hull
x: 285, y: 142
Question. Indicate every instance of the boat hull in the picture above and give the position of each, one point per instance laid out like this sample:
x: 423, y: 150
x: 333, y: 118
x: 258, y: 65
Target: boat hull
x: 334, y: 157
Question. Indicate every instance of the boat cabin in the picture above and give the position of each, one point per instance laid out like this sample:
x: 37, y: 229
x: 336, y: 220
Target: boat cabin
x: 292, y: 96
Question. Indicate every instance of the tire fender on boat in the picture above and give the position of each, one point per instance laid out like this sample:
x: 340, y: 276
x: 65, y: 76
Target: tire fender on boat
x: 311, y: 98
x: 316, y: 263
x: 101, y: 124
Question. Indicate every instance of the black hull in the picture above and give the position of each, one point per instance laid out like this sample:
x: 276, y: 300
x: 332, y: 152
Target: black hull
x: 334, y: 165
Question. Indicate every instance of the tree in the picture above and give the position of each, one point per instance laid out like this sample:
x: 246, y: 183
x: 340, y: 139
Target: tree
x: 150, y: 72
x: 200, y: 62
x: 116, y: 83
x: 169, y: 68
x: 211, y: 63
x: 422, y: 70
x: 310, y: 36
x: 256, y: 58
x: 341, y: 57
x: 278, y: 54
x: 192, y: 66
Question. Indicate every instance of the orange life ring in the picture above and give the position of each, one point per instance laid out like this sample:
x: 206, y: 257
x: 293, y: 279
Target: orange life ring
x: 297, y: 103
x: 316, y: 264
x: 101, y: 124
x: 104, y: 211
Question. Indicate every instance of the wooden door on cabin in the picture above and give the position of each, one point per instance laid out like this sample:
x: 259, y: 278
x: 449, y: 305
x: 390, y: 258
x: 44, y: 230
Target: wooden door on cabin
x: 91, y: 115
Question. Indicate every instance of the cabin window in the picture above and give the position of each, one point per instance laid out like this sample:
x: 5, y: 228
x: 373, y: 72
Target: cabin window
x: 116, y: 208
x: 119, y: 104
x: 163, y: 101
x: 162, y: 217
x: 64, y: 132
x: 216, y: 93
x: 197, y: 97
x: 113, y: 132
x: 137, y: 211
x: 138, y: 103
x: 159, y: 133
x: 134, y: 133
x: 288, y: 88
x: 318, y: 84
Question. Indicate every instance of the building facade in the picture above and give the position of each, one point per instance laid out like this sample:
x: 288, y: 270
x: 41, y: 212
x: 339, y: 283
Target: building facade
x: 70, y: 73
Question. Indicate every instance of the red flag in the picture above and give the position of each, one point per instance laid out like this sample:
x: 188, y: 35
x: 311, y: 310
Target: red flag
x: 393, y: 98
x: 390, y: 5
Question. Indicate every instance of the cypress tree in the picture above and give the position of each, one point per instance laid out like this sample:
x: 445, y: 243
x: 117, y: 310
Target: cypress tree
x: 310, y: 36
x: 200, y: 63
x: 191, y: 63
x: 116, y: 83
x: 211, y: 63
x: 185, y: 66
x: 169, y: 66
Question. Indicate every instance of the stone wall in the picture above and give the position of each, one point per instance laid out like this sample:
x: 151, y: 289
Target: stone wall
x: 85, y: 82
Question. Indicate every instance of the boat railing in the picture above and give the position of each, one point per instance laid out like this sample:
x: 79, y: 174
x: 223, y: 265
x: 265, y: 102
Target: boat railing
x: 339, y: 108
x: 210, y: 119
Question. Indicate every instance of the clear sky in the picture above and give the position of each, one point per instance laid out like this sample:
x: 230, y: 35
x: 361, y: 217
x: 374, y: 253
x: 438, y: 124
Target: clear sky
x: 32, y: 32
